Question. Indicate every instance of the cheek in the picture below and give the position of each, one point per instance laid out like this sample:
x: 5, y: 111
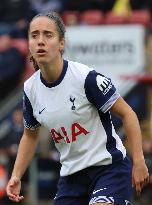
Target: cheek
x: 54, y: 45
x: 31, y: 47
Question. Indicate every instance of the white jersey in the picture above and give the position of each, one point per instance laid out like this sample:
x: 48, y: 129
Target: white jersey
x: 75, y: 109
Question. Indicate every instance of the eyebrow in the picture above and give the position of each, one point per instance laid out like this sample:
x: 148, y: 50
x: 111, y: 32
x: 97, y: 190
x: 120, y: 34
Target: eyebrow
x: 44, y: 31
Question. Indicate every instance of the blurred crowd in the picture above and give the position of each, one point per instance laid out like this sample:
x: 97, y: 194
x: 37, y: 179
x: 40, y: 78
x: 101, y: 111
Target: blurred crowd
x: 15, y: 68
x: 15, y: 15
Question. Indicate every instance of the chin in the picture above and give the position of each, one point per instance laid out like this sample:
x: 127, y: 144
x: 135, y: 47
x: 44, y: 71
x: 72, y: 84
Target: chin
x: 41, y: 61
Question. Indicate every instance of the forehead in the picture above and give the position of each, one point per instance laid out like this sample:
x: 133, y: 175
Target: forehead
x: 42, y: 23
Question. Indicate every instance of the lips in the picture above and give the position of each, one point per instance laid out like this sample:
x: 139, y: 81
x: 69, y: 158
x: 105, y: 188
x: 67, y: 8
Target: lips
x: 41, y: 51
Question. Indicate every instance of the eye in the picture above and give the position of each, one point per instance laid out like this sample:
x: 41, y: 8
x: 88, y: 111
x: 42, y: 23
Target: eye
x: 33, y: 35
x: 49, y: 35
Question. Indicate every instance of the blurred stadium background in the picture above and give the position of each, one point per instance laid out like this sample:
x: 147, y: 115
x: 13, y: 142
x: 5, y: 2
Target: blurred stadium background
x: 114, y: 37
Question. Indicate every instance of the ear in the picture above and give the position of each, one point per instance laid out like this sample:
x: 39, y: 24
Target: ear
x: 62, y: 44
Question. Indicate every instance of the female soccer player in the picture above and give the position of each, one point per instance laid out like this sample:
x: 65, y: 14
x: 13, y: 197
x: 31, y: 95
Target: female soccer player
x: 74, y: 102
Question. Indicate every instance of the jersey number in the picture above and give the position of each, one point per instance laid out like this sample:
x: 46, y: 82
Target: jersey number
x: 76, y: 129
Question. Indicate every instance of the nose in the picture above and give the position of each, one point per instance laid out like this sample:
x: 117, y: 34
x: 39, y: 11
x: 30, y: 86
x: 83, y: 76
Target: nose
x: 41, y: 40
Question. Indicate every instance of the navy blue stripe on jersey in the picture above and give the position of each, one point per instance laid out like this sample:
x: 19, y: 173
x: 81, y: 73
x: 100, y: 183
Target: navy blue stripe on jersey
x: 29, y: 120
x: 100, y: 91
x: 57, y: 82
x: 111, y: 141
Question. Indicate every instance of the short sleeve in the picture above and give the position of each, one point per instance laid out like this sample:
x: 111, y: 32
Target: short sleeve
x: 29, y: 120
x: 100, y: 91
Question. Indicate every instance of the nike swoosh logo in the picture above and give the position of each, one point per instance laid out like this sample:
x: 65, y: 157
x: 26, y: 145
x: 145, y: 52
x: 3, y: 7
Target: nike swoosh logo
x: 95, y: 191
x: 41, y: 111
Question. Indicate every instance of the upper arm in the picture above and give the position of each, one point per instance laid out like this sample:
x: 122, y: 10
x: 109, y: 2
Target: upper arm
x: 30, y: 121
x: 100, y: 91
x: 121, y: 108
x: 31, y: 133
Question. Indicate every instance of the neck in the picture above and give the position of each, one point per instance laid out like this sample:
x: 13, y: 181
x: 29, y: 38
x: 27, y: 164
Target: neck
x: 51, y: 71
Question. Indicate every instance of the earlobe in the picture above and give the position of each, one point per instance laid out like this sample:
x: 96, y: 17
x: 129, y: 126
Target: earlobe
x: 61, y: 48
x: 62, y: 45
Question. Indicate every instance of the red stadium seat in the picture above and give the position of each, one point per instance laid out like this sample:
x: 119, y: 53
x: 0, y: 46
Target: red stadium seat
x: 29, y: 70
x: 71, y: 17
x: 21, y: 45
x: 112, y: 18
x: 140, y: 17
x: 92, y: 17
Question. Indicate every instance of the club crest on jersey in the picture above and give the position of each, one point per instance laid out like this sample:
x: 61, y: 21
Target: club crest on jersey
x: 104, y: 84
x: 72, y: 99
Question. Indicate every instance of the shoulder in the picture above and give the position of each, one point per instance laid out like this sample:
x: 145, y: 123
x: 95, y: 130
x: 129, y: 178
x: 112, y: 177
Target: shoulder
x: 79, y: 67
x: 79, y: 70
x: 29, y: 84
x: 94, y: 76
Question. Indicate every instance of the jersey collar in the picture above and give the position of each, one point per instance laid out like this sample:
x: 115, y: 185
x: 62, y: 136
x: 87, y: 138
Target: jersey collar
x: 58, y: 81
